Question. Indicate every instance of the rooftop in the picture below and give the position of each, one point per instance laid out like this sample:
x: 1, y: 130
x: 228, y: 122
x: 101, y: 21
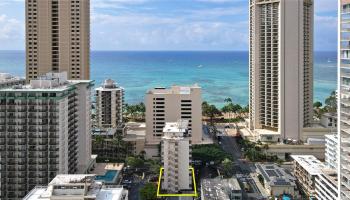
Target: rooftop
x: 49, y: 81
x: 5, y: 77
x: 173, y: 90
x: 76, y: 185
x: 331, y: 175
x: 214, y: 189
x: 310, y: 163
x: 275, y: 175
x: 109, y: 84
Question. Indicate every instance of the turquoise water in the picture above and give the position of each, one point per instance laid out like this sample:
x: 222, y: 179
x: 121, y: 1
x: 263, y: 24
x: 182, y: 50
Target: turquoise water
x: 285, y: 197
x: 220, y: 74
x: 109, y: 176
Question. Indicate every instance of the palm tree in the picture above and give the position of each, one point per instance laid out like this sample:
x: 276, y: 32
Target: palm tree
x: 228, y: 100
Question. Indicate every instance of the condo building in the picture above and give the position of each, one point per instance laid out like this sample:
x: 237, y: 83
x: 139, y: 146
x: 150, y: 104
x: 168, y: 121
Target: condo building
x: 326, y: 186
x: 58, y: 38
x: 109, y: 105
x: 306, y: 169
x: 176, y: 157
x: 344, y: 98
x: 78, y: 187
x: 44, y: 131
x: 169, y: 105
x: 331, y: 151
x: 7, y: 80
x: 281, y: 66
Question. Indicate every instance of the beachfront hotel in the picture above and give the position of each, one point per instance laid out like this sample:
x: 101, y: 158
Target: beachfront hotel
x: 44, y: 131
x: 281, y: 67
x: 169, y: 105
x: 109, y: 105
x: 58, y: 38
x: 344, y: 94
x: 176, y: 157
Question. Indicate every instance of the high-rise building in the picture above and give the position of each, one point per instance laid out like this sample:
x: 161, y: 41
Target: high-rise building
x: 79, y: 187
x: 281, y: 66
x: 344, y: 96
x: 44, y: 131
x: 58, y: 38
x: 109, y: 105
x: 170, y: 105
x: 176, y: 157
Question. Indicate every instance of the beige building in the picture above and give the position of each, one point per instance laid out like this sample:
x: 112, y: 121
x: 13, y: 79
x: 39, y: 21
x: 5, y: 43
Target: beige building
x: 44, y: 131
x: 77, y: 187
x: 326, y: 187
x: 135, y: 137
x: 168, y: 105
x: 109, y: 105
x: 281, y: 66
x: 58, y: 38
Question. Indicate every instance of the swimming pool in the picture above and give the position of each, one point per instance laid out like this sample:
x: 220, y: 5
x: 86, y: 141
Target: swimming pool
x: 109, y: 177
x: 286, y: 197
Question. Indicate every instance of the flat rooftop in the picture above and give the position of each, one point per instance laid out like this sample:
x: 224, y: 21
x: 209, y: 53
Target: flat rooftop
x: 215, y: 189
x: 275, y: 175
x: 5, y: 77
x: 266, y: 132
x: 310, y: 163
x: 173, y: 90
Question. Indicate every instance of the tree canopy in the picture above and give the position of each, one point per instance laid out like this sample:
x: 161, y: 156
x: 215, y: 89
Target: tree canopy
x: 149, y: 192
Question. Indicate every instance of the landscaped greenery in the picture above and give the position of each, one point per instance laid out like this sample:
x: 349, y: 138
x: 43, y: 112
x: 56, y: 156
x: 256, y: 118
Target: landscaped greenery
x: 135, y: 112
x: 208, y: 153
x: 149, y: 192
x: 330, y: 105
x: 227, y: 168
x: 254, y: 151
x: 134, y: 162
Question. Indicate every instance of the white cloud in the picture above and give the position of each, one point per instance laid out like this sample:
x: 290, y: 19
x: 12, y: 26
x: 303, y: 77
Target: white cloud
x: 10, y: 28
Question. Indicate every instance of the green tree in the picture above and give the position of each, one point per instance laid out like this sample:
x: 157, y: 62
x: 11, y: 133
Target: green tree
x: 208, y: 153
x: 227, y: 167
x: 228, y: 100
x: 134, y: 162
x: 210, y: 111
x: 149, y: 192
x: 331, y: 102
x: 317, y: 104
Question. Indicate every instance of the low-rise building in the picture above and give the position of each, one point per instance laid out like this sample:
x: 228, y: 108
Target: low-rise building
x: 276, y: 180
x: 327, y: 185
x: 77, y: 187
x: 332, y: 152
x: 223, y: 189
x: 306, y: 169
x: 7, y: 80
x: 329, y: 120
x: 135, y: 137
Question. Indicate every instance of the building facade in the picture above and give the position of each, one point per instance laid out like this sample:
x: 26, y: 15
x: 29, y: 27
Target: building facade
x: 44, y: 131
x: 170, y: 105
x: 331, y: 152
x: 306, y: 169
x: 281, y: 66
x: 176, y: 153
x: 326, y: 186
x: 78, y: 187
x: 58, y: 38
x: 109, y: 105
x: 344, y: 96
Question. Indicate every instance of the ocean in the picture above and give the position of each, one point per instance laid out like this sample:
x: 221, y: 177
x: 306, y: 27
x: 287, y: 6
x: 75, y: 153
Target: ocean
x: 221, y: 74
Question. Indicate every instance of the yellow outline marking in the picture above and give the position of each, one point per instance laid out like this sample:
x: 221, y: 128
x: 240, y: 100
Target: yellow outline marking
x: 177, y: 195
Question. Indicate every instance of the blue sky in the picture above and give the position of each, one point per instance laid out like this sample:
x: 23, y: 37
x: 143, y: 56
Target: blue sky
x: 168, y: 24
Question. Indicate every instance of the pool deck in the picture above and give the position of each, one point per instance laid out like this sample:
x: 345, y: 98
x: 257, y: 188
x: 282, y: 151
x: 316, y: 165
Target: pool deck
x: 102, y: 168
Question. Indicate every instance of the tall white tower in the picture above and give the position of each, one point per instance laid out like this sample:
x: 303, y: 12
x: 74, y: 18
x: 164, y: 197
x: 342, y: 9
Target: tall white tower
x: 281, y: 66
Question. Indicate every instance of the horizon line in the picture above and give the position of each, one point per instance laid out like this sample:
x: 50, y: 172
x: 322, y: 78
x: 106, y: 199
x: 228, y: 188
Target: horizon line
x: 167, y: 50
